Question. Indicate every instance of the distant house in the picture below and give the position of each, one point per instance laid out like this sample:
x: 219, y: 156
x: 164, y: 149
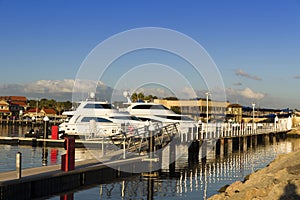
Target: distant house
x: 4, y: 109
x: 39, y: 113
x: 33, y: 112
x: 16, y: 104
x: 50, y: 112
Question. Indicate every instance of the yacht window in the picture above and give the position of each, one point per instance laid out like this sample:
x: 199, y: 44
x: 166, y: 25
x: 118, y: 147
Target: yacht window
x: 147, y: 106
x: 172, y: 117
x: 144, y: 119
x: 98, y: 106
x: 125, y: 117
x: 97, y: 119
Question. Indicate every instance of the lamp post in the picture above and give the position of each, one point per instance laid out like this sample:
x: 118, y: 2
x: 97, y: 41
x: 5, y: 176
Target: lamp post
x: 45, y: 151
x: 207, y: 93
x: 275, y: 123
x: 253, y: 110
x: 32, y: 121
x: 46, y: 120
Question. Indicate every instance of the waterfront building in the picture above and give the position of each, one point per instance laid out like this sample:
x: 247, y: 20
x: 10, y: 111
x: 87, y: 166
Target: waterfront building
x: 234, y: 113
x: 17, y: 104
x: 40, y: 113
x: 49, y: 112
x: 4, y: 109
x: 197, y: 109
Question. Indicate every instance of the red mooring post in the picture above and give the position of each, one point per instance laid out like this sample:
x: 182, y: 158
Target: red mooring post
x: 54, y: 133
x: 68, y: 159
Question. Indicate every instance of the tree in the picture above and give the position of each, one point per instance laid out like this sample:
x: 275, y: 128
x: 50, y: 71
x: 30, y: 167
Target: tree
x: 140, y: 96
x: 32, y: 103
x: 170, y: 98
x: 67, y: 105
x: 134, y: 97
x: 45, y: 103
x: 59, y: 107
x: 150, y: 98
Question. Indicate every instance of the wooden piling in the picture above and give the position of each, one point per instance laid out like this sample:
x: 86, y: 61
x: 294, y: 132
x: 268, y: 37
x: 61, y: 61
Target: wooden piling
x: 19, y: 165
x: 229, y: 146
x: 203, y: 151
x: 222, y: 142
x: 244, y: 144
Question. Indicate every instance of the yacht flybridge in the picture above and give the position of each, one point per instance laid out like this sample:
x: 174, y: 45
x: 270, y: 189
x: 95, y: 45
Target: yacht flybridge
x: 93, y: 118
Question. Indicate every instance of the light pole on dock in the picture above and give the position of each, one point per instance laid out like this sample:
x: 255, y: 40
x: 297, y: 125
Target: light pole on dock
x: 253, y: 110
x: 32, y: 121
x: 207, y: 94
x: 45, y: 151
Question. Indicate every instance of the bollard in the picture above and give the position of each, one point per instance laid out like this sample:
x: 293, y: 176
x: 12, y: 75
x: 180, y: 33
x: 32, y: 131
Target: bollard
x: 124, y: 148
x: 19, y: 165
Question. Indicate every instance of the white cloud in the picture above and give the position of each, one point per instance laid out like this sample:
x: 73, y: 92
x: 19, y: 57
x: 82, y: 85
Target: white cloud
x: 62, y: 86
x: 244, y: 93
x: 63, y: 90
x: 57, y: 89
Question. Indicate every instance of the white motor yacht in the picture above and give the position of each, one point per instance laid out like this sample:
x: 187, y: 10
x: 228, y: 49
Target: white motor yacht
x: 148, y: 111
x: 156, y: 113
x: 95, y: 118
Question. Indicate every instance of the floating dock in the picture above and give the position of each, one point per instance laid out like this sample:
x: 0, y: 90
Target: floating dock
x: 39, y: 142
x: 48, y: 181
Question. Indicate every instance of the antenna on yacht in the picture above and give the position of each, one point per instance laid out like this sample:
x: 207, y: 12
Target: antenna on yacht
x: 92, y: 96
x: 126, y: 94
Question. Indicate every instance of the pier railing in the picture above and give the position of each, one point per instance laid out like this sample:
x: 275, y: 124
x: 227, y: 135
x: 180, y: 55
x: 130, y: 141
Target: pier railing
x: 229, y: 130
x: 190, y: 131
x: 138, y: 139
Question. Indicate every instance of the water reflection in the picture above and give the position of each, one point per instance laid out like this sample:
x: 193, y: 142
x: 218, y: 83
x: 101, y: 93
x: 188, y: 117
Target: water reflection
x: 194, y: 181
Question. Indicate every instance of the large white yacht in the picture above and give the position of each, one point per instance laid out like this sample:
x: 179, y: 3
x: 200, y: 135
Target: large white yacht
x: 148, y: 111
x: 156, y: 113
x: 96, y: 118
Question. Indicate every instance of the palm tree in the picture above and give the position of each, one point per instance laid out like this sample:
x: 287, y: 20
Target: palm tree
x: 134, y: 97
x: 140, y: 96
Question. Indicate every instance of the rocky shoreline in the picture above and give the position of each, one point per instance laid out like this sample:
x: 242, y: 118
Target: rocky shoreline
x: 279, y: 180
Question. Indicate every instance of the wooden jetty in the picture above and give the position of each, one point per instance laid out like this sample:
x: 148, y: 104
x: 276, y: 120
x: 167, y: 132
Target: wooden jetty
x: 50, y: 180
x: 199, y: 142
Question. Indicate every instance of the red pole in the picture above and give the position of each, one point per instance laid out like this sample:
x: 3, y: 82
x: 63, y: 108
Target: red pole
x: 68, y: 159
x: 54, y: 133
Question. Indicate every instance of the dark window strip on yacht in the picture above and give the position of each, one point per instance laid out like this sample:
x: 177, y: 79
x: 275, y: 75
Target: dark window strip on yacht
x: 98, y: 106
x: 147, y: 106
x: 97, y: 119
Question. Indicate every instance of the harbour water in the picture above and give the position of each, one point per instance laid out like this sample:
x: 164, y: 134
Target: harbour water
x: 190, y: 180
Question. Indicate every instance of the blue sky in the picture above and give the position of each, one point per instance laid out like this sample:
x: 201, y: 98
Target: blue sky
x: 255, y: 44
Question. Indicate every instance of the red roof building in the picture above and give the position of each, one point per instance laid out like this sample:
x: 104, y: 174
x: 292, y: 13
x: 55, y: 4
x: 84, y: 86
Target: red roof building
x: 50, y: 112
x: 20, y: 101
x: 4, y: 109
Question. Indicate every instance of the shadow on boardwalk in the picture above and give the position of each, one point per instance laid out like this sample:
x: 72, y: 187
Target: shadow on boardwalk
x: 290, y: 192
